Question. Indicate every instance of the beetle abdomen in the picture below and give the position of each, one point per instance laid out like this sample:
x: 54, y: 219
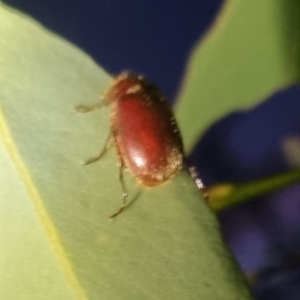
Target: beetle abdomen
x: 147, y: 135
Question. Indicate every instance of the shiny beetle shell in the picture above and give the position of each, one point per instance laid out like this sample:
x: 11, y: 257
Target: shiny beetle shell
x: 145, y: 132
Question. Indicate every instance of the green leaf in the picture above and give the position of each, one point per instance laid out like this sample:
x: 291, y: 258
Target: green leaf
x: 56, y: 240
x: 225, y: 195
x: 251, y: 51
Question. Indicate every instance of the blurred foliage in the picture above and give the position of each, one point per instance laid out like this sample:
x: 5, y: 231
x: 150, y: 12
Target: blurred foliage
x: 251, y: 51
x: 222, y: 196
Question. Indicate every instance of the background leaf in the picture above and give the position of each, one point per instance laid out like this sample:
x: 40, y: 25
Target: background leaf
x: 251, y: 51
x: 56, y: 241
x: 222, y: 196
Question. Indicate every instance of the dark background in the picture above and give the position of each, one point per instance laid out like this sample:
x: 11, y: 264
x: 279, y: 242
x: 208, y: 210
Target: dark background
x: 150, y: 37
x: 155, y: 38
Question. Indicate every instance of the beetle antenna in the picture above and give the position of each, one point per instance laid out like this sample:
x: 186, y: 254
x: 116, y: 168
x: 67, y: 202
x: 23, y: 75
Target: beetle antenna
x: 125, y: 194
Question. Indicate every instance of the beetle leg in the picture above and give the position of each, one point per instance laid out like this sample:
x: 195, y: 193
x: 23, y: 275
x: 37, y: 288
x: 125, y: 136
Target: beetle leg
x: 125, y: 194
x: 86, y: 109
x: 121, y: 171
x: 103, y: 151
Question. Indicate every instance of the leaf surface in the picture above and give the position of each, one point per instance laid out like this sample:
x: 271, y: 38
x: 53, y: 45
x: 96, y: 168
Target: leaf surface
x: 56, y: 240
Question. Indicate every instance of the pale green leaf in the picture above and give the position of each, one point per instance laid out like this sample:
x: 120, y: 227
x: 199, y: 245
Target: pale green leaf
x: 251, y: 51
x: 55, y: 236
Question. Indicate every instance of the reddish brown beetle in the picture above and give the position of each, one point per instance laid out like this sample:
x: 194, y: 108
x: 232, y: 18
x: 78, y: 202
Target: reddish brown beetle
x: 144, y: 132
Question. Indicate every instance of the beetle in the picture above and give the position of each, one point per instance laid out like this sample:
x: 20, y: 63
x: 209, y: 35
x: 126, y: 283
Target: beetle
x: 144, y: 132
